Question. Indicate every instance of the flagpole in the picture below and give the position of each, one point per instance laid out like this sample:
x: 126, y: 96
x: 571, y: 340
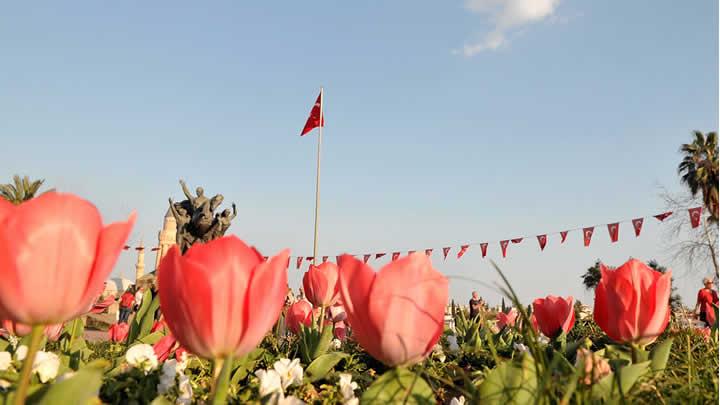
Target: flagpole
x: 317, y: 178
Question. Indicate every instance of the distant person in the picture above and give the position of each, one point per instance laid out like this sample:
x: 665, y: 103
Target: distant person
x: 705, y: 299
x: 126, y: 304
x: 475, y: 305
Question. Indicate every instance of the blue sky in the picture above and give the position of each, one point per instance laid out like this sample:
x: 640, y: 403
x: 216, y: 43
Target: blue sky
x: 447, y: 122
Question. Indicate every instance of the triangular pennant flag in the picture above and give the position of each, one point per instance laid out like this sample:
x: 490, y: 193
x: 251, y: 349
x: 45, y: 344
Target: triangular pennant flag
x: 587, y: 235
x: 310, y: 258
x: 695, y: 216
x: 324, y: 259
x: 446, y: 250
x: 462, y: 251
x: 379, y: 255
x: 155, y: 249
x: 410, y: 252
x: 287, y: 265
x: 395, y: 256
x: 613, y: 231
x: 366, y: 258
x: 637, y: 225
x: 516, y: 240
x: 542, y: 240
x: 298, y: 263
x: 563, y: 236
x: 503, y: 246
x: 265, y: 258
x: 314, y: 120
x: 483, y: 248
x: 661, y: 217
x: 337, y: 259
x: 428, y: 252
x: 126, y: 247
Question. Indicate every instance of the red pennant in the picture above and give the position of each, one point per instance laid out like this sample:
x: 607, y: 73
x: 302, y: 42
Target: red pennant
x: 695, y: 216
x: 379, y: 255
x: 542, y: 240
x: 298, y: 263
x: 503, y: 246
x: 661, y: 217
x: 587, y: 235
x: 637, y: 225
x: 462, y: 251
x: 516, y: 240
x: 366, y: 258
x: 314, y: 120
x: 126, y: 247
x: 428, y: 252
x: 483, y: 248
x: 139, y: 248
x: 287, y: 266
x: 446, y: 250
x: 395, y: 256
x: 265, y: 258
x: 155, y: 249
x: 310, y: 258
x: 410, y: 252
x: 337, y: 259
x: 324, y: 259
x: 613, y: 230
x: 563, y: 236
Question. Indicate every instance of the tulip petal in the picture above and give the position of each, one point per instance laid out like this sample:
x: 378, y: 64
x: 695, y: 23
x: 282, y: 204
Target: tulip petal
x: 356, y: 280
x: 656, y: 315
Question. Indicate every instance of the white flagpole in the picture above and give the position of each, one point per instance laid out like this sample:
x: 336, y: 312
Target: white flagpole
x: 317, y: 178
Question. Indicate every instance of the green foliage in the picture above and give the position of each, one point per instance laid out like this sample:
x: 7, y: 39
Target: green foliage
x: 398, y: 386
x: 698, y: 169
x: 20, y: 190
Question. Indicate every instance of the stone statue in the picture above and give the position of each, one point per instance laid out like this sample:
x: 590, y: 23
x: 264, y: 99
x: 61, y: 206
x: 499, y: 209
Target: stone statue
x: 196, y: 219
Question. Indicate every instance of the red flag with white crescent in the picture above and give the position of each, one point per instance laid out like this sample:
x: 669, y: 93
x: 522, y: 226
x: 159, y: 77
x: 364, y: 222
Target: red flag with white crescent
x: 462, y: 251
x: 366, y: 258
x: 503, y: 246
x: 310, y: 258
x: 314, y: 120
x: 587, y: 235
x: 428, y: 252
x: 379, y: 255
x: 695, y: 216
x: 395, y: 256
x: 637, y: 225
x: 298, y: 263
x: 542, y: 240
x: 661, y: 217
x: 483, y: 248
x: 126, y: 247
x: 563, y: 236
x: 324, y: 259
x: 516, y: 240
x: 613, y: 231
x: 446, y: 250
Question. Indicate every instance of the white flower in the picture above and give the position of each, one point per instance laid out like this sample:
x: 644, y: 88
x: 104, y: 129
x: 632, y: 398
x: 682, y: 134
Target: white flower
x: 270, y: 382
x: 21, y: 353
x: 347, y: 386
x: 520, y: 347
x: 452, y: 343
x: 291, y: 400
x: 458, y: 401
x: 336, y: 344
x: 439, y: 353
x: 13, y: 340
x: 65, y: 376
x: 5, y: 384
x: 290, y: 371
x: 143, y: 357
x: 352, y: 401
x: 185, y: 395
x: 46, y: 365
x: 5, y: 361
x: 167, y: 377
x: 543, y: 340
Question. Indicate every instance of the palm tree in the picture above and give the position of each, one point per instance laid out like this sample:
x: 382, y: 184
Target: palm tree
x: 20, y: 190
x: 699, y: 169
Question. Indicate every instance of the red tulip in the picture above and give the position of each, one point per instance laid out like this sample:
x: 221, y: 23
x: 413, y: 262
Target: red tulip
x: 118, y: 332
x: 180, y: 351
x: 299, y: 313
x: 56, y: 254
x: 397, y: 315
x: 320, y: 284
x: 163, y: 347
x: 221, y: 297
x: 506, y: 319
x: 52, y: 332
x: 554, y: 315
x: 631, y: 302
x: 158, y: 326
x: 534, y: 323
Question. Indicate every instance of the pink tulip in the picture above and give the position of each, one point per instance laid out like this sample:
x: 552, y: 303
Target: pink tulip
x: 56, y: 255
x: 158, y: 326
x: 299, y: 313
x: 554, y: 315
x: 320, y: 284
x: 118, y: 332
x: 397, y: 315
x: 52, y: 332
x: 163, y: 347
x: 506, y: 319
x: 221, y: 298
x: 631, y: 302
x: 180, y: 351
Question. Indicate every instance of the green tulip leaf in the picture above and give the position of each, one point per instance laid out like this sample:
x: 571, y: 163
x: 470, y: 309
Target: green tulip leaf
x: 244, y: 365
x: 160, y: 400
x: 321, y: 366
x: 152, y: 338
x: 81, y: 388
x: 660, y: 355
x: 398, y: 386
x: 626, y: 377
x: 510, y: 383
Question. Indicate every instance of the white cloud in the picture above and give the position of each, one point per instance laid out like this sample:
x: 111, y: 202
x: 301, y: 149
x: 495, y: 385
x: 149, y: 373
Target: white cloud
x: 506, y: 16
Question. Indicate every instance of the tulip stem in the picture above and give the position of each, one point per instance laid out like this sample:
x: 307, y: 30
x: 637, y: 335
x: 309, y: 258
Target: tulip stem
x: 322, y: 319
x: 25, y: 374
x: 221, y: 378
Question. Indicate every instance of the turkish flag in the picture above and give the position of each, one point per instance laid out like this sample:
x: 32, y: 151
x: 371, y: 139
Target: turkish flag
x: 563, y: 236
x: 446, y: 250
x: 637, y: 225
x: 155, y: 249
x: 462, y: 251
x: 298, y: 263
x: 126, y: 247
x: 265, y: 258
x: 483, y: 248
x: 395, y: 256
x: 366, y: 258
x: 613, y: 230
x: 310, y: 258
x: 661, y: 217
x: 287, y: 266
x: 410, y: 252
x: 516, y: 240
x: 337, y: 259
x: 587, y: 235
x: 315, y: 119
x: 695, y: 216
x: 542, y: 240
x: 428, y: 252
x: 379, y: 255
x: 503, y: 246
